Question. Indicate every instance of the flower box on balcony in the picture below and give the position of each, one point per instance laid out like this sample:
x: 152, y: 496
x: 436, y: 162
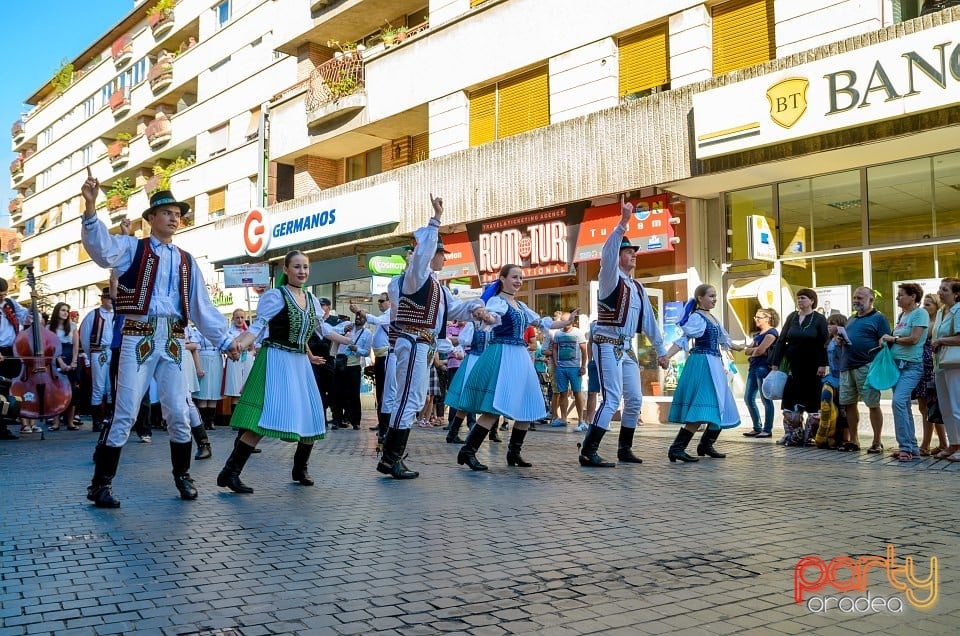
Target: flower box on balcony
x: 17, y: 131
x: 160, y: 75
x: 118, y: 153
x: 120, y: 102
x: 122, y: 50
x: 159, y: 131
x: 16, y: 167
x: 15, y: 206
x: 160, y: 22
x: 116, y: 203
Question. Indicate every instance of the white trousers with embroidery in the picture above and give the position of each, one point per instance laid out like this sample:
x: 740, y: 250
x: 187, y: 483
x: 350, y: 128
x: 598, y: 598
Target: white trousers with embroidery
x: 619, y: 379
x: 412, y: 381
x: 100, y: 376
x: 388, y: 401
x: 134, y: 381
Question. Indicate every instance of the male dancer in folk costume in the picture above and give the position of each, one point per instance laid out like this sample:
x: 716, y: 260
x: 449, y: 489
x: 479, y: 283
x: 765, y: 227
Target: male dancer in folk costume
x: 624, y: 310
x: 13, y: 316
x: 160, y: 289
x: 422, y: 310
x: 96, y: 336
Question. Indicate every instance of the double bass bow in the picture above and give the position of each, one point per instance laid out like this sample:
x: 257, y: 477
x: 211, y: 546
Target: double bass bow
x: 43, y: 392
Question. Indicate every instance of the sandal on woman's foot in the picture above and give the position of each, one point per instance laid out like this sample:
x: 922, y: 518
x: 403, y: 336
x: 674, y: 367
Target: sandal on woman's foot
x: 850, y: 447
x: 904, y: 456
x: 924, y: 452
x: 875, y: 448
x: 942, y: 453
x: 896, y: 454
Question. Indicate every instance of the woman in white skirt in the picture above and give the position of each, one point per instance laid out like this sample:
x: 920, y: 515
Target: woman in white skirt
x: 235, y: 372
x: 503, y: 382
x: 281, y: 398
x: 210, y: 376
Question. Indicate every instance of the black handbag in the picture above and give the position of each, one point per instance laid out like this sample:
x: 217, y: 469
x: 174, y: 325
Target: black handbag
x: 340, y: 362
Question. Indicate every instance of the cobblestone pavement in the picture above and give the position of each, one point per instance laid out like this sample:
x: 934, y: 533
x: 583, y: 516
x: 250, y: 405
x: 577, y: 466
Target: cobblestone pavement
x: 555, y: 549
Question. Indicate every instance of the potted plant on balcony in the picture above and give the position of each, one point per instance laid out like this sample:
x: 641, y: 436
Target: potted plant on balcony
x: 63, y: 77
x: 160, y: 74
x: 159, y: 130
x: 118, y: 194
x: 118, y: 151
x: 122, y: 50
x: 16, y: 167
x: 389, y: 34
x: 119, y: 101
x: 17, y: 130
x: 15, y: 205
x: 346, y: 49
x: 160, y: 15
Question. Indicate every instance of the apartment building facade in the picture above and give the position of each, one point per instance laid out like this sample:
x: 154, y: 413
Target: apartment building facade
x: 530, y: 118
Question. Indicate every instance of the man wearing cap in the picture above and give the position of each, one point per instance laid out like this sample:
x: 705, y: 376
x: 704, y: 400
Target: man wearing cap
x: 422, y: 310
x: 159, y: 289
x: 623, y: 311
x: 96, y: 335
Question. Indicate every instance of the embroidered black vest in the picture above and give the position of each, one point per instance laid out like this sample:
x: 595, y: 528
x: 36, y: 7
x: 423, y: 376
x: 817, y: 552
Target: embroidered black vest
x: 96, y: 333
x: 612, y: 311
x: 290, y: 329
x: 421, y: 309
x: 135, y: 286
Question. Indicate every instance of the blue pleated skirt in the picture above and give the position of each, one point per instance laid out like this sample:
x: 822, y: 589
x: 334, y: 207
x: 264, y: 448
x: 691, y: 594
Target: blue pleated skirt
x: 503, y: 382
x: 703, y: 394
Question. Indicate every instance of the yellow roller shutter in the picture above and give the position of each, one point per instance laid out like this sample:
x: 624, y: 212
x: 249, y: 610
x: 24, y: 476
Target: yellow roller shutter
x: 524, y: 102
x: 420, y: 147
x: 743, y: 34
x: 483, y: 115
x: 644, y: 60
x: 474, y: 3
x: 218, y: 201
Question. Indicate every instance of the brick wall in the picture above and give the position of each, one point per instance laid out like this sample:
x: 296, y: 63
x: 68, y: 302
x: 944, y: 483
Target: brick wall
x: 309, y: 57
x: 316, y: 173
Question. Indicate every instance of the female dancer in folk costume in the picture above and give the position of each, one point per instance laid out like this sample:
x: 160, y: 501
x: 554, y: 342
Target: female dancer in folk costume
x: 281, y: 398
x: 702, y: 395
x: 503, y: 382
x: 473, y: 337
x: 235, y: 373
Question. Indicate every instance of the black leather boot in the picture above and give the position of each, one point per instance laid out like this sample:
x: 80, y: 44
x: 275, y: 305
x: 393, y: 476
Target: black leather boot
x: 625, y: 446
x: 107, y: 459
x: 678, y: 450
x: 705, y: 447
x: 180, y: 459
x: 391, y: 462
x: 237, y: 440
x: 493, y: 431
x: 96, y: 417
x: 453, y: 435
x: 589, y: 448
x: 209, y: 416
x: 229, y: 477
x: 383, y: 423
x: 468, y: 452
x: 513, y: 449
x: 300, y: 459
x: 204, y: 450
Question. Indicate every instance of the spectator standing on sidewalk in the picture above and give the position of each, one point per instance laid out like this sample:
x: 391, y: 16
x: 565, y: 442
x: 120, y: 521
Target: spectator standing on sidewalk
x: 570, y: 365
x: 926, y: 391
x: 766, y: 320
x: 865, y: 328
x: 906, y: 344
x: 946, y: 336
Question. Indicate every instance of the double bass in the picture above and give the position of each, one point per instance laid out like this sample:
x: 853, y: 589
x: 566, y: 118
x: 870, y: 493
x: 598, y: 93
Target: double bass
x: 43, y: 392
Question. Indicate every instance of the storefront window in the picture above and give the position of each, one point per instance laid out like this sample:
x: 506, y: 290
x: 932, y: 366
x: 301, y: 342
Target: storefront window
x: 948, y: 257
x: 822, y: 213
x: 901, y: 203
x: 946, y: 175
x: 892, y: 267
x: 738, y: 206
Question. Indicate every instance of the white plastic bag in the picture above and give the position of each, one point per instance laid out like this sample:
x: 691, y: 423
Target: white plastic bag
x: 773, y: 385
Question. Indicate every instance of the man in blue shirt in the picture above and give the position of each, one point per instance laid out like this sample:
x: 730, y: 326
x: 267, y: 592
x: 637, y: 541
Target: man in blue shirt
x: 864, y: 329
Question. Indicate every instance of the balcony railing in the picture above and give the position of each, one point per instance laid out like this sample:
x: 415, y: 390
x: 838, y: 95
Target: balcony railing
x: 122, y: 50
x: 160, y: 22
x: 159, y: 131
x: 120, y: 101
x: 335, y: 79
x: 160, y: 74
x: 17, y: 130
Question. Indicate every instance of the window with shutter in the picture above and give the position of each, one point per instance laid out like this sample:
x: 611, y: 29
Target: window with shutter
x: 217, y: 203
x: 523, y: 102
x: 743, y: 34
x: 218, y: 140
x: 644, y: 61
x: 483, y: 115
